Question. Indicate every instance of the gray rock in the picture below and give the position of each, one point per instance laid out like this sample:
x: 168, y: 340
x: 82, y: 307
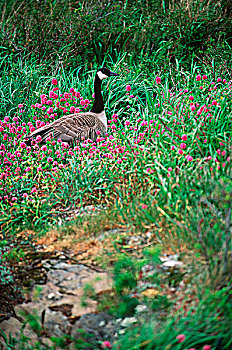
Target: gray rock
x: 29, y: 308
x: 64, y: 279
x: 91, y: 324
x: 61, y: 266
x: 53, y: 261
x: 141, y: 308
x: 47, y: 266
x: 128, y: 321
x: 172, y: 263
x: 12, y: 327
x: 51, y: 295
x: 55, y: 323
x: 62, y: 257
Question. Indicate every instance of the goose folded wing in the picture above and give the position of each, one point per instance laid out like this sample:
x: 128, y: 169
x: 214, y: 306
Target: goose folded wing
x: 64, y: 132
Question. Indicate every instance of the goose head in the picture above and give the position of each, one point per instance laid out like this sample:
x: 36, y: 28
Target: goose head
x: 104, y: 73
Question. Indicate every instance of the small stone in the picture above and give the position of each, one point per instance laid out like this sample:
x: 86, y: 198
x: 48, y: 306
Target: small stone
x: 62, y: 257
x: 61, y: 266
x: 47, y: 266
x: 53, y: 261
x: 118, y: 320
x: 128, y: 321
x: 102, y: 324
x: 121, y: 331
x: 51, y: 295
x: 172, y: 263
x: 140, y: 308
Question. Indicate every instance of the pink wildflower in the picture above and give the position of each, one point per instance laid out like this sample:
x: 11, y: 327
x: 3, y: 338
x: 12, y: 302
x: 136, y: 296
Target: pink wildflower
x: 149, y: 170
x: 198, y: 77
x: 144, y: 206
x: 38, y: 138
x: 25, y: 195
x: 127, y: 122
x: 204, y: 77
x: 44, y: 148
x: 106, y: 345
x: 184, y: 137
x: 191, y: 98
x: 54, y: 81
x: 180, y: 338
x: 128, y: 88
x: 182, y: 145
x: 219, y: 80
x: 20, y: 105
x: 158, y: 80
x: 34, y: 190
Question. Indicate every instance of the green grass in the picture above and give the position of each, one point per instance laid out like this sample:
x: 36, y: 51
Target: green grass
x: 156, y: 174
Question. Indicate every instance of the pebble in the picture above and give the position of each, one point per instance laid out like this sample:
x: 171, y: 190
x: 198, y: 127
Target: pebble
x: 51, y: 295
x: 140, y: 308
x: 47, y: 266
x: 172, y: 263
x: 118, y: 320
x: 62, y: 257
x: 61, y: 266
x: 128, y: 321
x: 53, y: 261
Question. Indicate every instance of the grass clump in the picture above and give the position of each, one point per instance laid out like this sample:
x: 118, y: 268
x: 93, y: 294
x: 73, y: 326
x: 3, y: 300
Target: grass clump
x: 161, y: 176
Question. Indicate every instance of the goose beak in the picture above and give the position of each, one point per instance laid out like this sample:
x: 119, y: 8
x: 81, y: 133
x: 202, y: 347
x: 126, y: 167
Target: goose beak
x: 112, y: 74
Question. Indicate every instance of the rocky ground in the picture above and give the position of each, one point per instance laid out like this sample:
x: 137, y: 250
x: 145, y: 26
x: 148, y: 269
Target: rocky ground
x: 62, y: 305
x: 64, y: 299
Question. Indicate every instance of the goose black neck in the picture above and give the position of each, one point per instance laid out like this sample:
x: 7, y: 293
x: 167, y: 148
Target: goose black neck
x: 98, y: 105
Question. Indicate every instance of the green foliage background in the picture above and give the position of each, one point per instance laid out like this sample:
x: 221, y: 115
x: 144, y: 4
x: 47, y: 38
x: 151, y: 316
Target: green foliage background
x: 72, y: 32
x: 176, y: 39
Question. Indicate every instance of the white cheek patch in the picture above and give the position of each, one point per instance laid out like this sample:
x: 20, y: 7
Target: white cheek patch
x: 102, y: 75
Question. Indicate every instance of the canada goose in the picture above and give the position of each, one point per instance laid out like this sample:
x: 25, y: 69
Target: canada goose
x: 79, y: 126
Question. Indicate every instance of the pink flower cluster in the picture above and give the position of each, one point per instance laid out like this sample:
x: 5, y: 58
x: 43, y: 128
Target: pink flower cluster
x: 21, y: 163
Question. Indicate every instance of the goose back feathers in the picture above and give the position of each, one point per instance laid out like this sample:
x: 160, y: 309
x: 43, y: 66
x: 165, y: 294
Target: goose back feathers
x: 79, y: 126
x: 74, y: 127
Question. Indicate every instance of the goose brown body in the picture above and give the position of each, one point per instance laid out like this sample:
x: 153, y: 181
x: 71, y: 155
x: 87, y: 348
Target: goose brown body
x: 79, y: 126
x: 74, y: 127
